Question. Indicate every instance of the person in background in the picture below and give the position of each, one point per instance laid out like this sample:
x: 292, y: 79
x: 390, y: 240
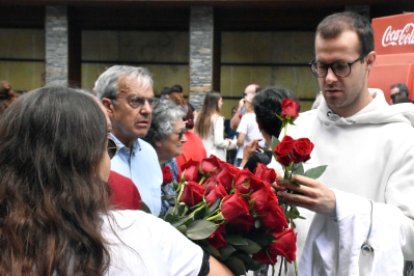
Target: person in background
x: 399, y: 93
x: 165, y: 92
x: 166, y: 135
x: 267, y: 106
x: 7, y: 95
x: 193, y: 148
x: 231, y: 134
x: 177, y: 94
x: 54, y: 199
x: 250, y: 89
x: 127, y: 93
x: 359, y: 213
x: 248, y: 129
x: 123, y: 193
x: 210, y: 127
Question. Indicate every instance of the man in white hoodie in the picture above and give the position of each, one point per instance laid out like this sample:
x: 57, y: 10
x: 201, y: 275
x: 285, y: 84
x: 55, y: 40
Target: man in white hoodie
x: 362, y: 207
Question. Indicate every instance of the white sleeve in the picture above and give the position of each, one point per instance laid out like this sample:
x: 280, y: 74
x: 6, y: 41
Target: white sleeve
x: 183, y: 256
x: 218, y: 133
x: 142, y: 244
x: 242, y: 128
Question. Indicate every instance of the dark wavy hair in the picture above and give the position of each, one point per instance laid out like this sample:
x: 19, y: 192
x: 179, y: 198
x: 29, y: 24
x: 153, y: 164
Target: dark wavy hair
x: 267, y: 107
x: 51, y: 199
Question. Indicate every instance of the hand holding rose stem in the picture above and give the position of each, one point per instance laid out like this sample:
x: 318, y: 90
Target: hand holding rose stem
x: 291, y: 154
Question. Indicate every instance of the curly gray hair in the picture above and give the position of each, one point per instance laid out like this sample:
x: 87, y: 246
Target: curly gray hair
x: 164, y: 115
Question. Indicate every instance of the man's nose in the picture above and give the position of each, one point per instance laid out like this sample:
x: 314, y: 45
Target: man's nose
x: 330, y: 76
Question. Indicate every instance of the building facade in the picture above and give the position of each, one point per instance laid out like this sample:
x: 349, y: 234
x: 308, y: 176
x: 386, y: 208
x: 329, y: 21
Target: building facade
x: 202, y: 45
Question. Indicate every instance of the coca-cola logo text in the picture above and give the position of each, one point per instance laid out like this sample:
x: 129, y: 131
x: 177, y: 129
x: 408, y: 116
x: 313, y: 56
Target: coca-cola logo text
x: 398, y: 37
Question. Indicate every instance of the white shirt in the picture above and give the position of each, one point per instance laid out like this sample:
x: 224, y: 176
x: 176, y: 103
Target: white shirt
x: 142, y: 244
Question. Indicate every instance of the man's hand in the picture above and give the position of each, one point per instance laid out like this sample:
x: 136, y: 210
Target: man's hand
x: 308, y: 193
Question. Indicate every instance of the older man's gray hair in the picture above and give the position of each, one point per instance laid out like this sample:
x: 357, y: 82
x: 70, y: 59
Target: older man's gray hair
x: 106, y: 86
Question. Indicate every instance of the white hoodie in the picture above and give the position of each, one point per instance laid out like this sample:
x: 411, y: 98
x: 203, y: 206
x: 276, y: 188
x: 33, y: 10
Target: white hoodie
x: 370, y: 156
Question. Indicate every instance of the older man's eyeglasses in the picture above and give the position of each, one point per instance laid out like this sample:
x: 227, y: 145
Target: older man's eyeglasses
x: 180, y: 134
x: 111, y: 148
x: 135, y: 101
x: 341, y: 69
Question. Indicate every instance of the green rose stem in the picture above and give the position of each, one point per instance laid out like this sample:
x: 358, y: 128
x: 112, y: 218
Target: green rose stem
x: 217, y: 216
x: 180, y: 190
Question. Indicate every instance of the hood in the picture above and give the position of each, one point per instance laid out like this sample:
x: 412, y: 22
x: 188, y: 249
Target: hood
x: 378, y: 111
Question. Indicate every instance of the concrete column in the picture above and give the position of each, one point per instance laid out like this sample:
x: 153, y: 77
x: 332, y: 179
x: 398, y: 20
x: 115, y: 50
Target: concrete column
x: 57, y: 45
x: 201, y: 53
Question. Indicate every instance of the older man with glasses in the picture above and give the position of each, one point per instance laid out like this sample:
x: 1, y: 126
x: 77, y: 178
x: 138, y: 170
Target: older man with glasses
x: 126, y: 92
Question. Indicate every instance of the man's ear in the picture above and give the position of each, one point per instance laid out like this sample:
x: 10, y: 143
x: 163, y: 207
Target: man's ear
x: 109, y: 107
x: 371, y: 59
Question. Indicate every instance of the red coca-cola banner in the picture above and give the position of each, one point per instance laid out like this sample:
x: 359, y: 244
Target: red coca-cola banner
x: 394, y: 34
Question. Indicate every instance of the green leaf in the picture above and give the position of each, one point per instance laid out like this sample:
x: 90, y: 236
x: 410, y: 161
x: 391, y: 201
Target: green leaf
x: 236, y: 265
x: 182, y: 228
x: 145, y: 208
x: 316, y: 172
x: 298, y: 169
x: 213, y: 251
x: 226, y: 252
x: 262, y: 238
x: 213, y: 207
x: 181, y: 221
x: 275, y: 142
x: 201, y: 229
x: 236, y: 240
x: 250, y: 248
x: 293, y: 213
x: 182, y: 209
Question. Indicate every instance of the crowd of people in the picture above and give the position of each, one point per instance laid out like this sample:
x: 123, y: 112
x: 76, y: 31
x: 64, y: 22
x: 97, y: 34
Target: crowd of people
x: 75, y: 167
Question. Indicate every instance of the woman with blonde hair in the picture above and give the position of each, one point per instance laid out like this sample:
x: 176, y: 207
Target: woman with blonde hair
x: 210, y: 127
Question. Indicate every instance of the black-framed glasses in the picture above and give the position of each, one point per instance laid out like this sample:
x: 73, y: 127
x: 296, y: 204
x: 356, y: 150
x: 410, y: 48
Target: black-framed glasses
x: 111, y: 148
x: 136, y: 101
x: 341, y: 69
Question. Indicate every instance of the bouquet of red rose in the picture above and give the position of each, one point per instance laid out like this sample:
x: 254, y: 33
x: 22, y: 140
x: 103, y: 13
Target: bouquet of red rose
x: 233, y: 214
x: 292, y: 153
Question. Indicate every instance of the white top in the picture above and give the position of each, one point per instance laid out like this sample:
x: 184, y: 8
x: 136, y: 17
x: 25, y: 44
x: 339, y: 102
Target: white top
x: 369, y: 155
x: 250, y: 128
x: 142, y: 244
x: 215, y: 143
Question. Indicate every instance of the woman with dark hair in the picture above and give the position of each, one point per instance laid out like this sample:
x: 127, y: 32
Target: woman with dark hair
x: 54, y: 217
x: 210, y: 127
x: 267, y: 107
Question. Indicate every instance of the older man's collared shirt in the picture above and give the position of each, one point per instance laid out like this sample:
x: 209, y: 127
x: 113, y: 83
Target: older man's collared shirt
x: 140, y: 164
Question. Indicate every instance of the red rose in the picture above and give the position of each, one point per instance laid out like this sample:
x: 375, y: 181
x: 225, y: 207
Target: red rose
x: 246, y: 182
x: 209, y: 165
x: 192, y: 193
x: 190, y: 170
x: 284, y: 244
x: 216, y: 239
x: 283, y: 150
x: 226, y: 176
x: 167, y: 175
x: 268, y: 211
x: 264, y: 173
x: 302, y: 149
x: 235, y: 211
x: 290, y: 109
x: 213, y: 193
